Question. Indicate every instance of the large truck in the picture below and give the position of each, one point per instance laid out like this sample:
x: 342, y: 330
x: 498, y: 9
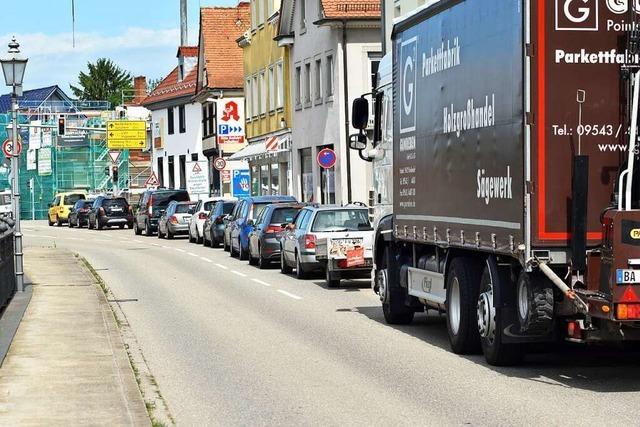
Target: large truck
x: 514, y: 162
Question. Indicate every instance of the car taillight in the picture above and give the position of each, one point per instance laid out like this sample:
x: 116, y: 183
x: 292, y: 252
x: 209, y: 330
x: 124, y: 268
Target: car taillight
x: 150, y: 206
x: 628, y: 311
x: 101, y: 211
x: 309, y: 241
x: 202, y: 216
x: 84, y: 210
x: 273, y: 229
x: 219, y: 220
x: 173, y: 219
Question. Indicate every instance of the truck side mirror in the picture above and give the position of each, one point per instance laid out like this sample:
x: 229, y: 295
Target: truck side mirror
x: 358, y: 141
x: 360, y: 113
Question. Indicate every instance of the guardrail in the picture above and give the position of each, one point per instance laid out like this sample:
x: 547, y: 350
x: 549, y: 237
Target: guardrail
x: 7, y: 265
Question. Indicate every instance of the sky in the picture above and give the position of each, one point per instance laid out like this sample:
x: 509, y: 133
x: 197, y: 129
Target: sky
x: 141, y: 36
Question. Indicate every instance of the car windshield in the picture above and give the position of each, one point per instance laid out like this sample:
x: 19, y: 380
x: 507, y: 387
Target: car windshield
x: 284, y: 215
x: 342, y: 220
x: 162, y: 199
x: 227, y: 208
x: 114, y: 203
x: 71, y: 199
x: 185, y: 208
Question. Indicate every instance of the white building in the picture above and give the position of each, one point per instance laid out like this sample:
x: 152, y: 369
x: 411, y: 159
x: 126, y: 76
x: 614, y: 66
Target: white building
x: 176, y: 121
x: 335, y: 49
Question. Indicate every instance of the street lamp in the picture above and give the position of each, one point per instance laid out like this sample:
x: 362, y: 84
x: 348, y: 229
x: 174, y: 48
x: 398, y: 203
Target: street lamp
x: 13, y: 68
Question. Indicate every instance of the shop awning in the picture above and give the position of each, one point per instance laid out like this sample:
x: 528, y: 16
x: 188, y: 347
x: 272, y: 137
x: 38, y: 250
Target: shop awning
x: 271, y: 146
x: 249, y: 152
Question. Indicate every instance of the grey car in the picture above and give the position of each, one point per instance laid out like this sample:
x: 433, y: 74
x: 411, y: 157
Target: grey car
x: 175, y: 220
x: 298, y: 244
x: 214, y: 225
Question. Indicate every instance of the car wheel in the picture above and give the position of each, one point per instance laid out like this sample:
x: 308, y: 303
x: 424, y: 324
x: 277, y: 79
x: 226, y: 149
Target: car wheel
x: 78, y: 223
x: 170, y: 235
x: 136, y: 229
x: 191, y: 238
x: 199, y: 238
x: 284, y: 268
x: 263, y: 264
x: 205, y: 242
x: 89, y: 223
x: 300, y: 273
x: 393, y: 307
x: 252, y: 259
x: 147, y: 229
x: 130, y: 225
x: 462, y: 306
x: 70, y: 223
x: 242, y: 254
x: 121, y: 226
x: 59, y: 222
x: 225, y: 247
x: 332, y: 281
x: 159, y: 232
x: 213, y: 242
x: 51, y: 223
x: 98, y: 226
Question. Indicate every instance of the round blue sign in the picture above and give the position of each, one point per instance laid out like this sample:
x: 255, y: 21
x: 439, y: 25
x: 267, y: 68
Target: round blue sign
x: 327, y: 158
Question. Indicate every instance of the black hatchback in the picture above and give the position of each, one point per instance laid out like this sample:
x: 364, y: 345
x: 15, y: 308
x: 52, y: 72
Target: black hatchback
x: 151, y: 206
x: 79, y: 213
x: 110, y: 212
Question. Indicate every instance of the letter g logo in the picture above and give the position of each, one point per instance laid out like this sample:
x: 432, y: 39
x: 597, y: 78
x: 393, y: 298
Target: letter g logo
x: 579, y: 15
x: 583, y: 12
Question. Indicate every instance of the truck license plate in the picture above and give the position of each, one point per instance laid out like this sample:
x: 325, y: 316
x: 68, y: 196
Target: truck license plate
x: 627, y: 276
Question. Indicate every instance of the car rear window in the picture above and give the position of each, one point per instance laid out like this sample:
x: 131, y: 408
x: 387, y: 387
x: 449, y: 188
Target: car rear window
x: 342, y: 220
x: 208, y: 206
x: 227, y: 208
x: 183, y: 209
x: 111, y: 203
x: 257, y: 209
x: 162, y: 199
x: 71, y: 199
x: 282, y: 215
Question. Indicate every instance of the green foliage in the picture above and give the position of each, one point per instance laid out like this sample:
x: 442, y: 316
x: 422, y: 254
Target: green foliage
x: 104, y: 81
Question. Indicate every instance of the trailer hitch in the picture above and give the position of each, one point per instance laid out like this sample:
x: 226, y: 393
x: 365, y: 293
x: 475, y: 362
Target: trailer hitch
x: 582, y: 306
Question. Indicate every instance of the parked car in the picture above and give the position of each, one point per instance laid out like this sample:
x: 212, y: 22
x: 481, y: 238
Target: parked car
x: 79, y: 213
x: 110, y: 212
x: 202, y: 211
x: 268, y: 228
x: 213, y: 228
x: 151, y: 206
x: 240, y: 227
x: 61, y: 206
x: 298, y: 244
x: 175, y: 220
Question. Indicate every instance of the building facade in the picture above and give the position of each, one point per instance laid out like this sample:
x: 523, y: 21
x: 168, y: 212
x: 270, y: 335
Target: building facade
x: 267, y: 106
x: 393, y: 9
x: 334, y: 51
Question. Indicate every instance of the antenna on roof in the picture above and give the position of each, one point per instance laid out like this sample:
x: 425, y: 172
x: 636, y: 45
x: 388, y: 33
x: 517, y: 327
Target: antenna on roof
x: 73, y: 22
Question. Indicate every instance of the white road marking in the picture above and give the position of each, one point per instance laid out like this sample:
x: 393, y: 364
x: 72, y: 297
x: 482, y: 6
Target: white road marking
x: 224, y: 267
x: 138, y: 241
x: 156, y: 245
x: 180, y: 250
x: 206, y: 259
x: 290, y: 295
x: 50, y: 237
x: 193, y: 255
x: 237, y: 273
x: 261, y: 282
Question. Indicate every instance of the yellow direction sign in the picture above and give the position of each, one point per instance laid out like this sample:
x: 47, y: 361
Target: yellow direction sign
x: 131, y: 134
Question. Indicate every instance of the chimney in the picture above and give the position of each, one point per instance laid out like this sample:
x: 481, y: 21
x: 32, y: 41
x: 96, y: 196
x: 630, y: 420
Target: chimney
x: 140, y: 89
x: 184, y: 35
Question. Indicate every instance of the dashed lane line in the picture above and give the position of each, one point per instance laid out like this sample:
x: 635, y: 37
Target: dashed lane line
x: 193, y: 255
x: 179, y: 250
x: 237, y: 273
x: 261, y: 282
x: 290, y: 295
x: 224, y: 267
x: 206, y: 259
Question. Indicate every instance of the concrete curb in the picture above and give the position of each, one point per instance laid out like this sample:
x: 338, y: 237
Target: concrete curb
x: 10, y: 319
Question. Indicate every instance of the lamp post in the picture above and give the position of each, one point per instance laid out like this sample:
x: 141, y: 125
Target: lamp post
x: 13, y: 68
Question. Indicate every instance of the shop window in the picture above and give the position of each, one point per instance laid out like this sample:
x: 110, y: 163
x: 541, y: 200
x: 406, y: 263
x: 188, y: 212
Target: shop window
x: 255, y: 181
x: 275, y: 179
x: 264, y: 180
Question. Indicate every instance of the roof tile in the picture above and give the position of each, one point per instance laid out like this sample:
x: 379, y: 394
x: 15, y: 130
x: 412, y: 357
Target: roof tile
x: 339, y: 9
x: 171, y: 88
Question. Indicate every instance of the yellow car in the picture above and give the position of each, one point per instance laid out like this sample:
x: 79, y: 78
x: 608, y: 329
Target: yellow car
x: 61, y: 206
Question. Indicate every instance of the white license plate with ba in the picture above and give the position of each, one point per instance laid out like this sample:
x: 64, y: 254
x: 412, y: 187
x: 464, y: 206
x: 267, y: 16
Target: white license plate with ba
x: 624, y: 276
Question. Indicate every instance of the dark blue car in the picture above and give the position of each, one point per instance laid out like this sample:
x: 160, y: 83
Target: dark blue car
x: 247, y: 210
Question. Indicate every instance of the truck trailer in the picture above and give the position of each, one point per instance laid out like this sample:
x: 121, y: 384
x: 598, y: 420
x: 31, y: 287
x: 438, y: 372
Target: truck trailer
x: 508, y: 129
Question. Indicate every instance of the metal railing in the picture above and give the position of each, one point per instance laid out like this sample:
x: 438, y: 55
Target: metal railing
x: 7, y: 265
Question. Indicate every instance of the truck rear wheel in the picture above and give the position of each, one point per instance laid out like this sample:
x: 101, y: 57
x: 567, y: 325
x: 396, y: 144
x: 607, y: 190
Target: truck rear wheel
x: 490, y: 323
x: 392, y: 297
x: 462, y: 297
x: 535, y: 304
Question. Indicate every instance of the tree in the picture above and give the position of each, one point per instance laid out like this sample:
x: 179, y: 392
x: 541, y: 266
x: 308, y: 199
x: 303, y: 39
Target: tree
x: 153, y: 83
x: 105, y: 81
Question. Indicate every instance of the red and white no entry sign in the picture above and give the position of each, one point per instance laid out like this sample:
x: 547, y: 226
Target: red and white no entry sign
x: 7, y: 148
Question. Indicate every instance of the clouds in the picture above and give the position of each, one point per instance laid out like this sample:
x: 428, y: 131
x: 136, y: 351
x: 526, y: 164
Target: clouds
x: 54, y: 60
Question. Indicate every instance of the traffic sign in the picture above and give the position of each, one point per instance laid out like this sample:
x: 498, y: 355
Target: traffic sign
x: 327, y: 158
x: 115, y: 156
x: 219, y: 163
x: 226, y: 176
x: 152, y: 181
x: 7, y: 147
x: 196, y: 168
x: 123, y: 134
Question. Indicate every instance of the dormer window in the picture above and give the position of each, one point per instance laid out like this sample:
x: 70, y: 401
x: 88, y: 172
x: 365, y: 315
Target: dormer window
x: 180, y: 72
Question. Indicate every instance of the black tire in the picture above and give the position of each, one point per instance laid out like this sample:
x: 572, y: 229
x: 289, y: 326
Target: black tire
x: 136, y: 229
x: 242, y: 254
x: 332, y: 282
x: 51, y: 223
x: 535, y: 311
x: 191, y: 239
x: 70, y: 223
x: 205, y: 242
x: 147, y: 229
x: 130, y: 225
x: 226, y: 247
x: 160, y: 235
x: 170, y: 235
x: 463, y: 283
x: 284, y: 268
x: 59, y: 221
x: 89, y: 224
x: 263, y: 264
x: 213, y: 242
x: 97, y: 225
x: 78, y: 223
x: 393, y: 298
x: 198, y: 238
x: 232, y: 252
x: 121, y: 226
x: 495, y: 351
x: 300, y: 273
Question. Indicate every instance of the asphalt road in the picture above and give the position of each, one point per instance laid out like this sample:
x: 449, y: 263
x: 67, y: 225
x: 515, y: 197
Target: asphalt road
x: 233, y: 345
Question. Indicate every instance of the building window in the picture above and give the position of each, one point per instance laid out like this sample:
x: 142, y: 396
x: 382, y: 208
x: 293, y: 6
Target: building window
x: 255, y: 181
x: 318, y: 81
x: 183, y: 171
x: 264, y: 180
x: 211, y: 118
x: 194, y: 157
x: 374, y: 65
x: 307, y: 85
x: 248, y: 95
x: 329, y: 76
x: 303, y: 15
x: 298, y: 87
x: 255, y: 97
x: 182, y: 122
x: 275, y: 179
x: 170, y: 121
x: 280, y: 80
x: 306, y: 175
x: 161, y: 171
x: 172, y: 176
x: 272, y: 89
x: 205, y: 130
x: 263, y: 92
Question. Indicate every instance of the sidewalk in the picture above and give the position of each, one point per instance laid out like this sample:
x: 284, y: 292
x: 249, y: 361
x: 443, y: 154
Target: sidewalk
x: 67, y: 364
